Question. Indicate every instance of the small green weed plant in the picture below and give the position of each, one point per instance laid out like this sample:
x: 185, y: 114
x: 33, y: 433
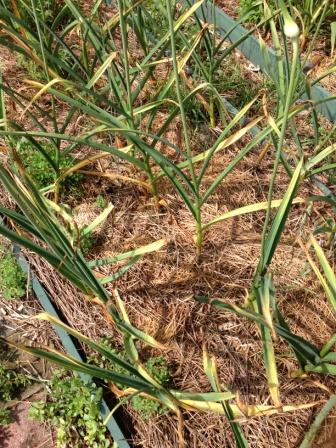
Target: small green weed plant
x: 11, y: 382
x: 101, y: 202
x: 12, y: 278
x: 5, y: 417
x: 157, y: 368
x: 72, y: 407
x: 38, y: 167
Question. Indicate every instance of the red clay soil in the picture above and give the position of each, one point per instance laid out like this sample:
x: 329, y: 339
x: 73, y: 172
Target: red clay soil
x: 24, y: 433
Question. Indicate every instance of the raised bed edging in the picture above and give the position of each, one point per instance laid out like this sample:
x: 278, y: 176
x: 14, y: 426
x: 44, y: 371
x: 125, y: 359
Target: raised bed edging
x: 250, y: 48
x: 43, y: 298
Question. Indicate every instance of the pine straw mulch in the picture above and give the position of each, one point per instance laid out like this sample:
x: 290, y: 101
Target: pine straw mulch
x: 158, y: 294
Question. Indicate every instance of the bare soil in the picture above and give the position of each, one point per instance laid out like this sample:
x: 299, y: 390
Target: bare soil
x: 24, y: 433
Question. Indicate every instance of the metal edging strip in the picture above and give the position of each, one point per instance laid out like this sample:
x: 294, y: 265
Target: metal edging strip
x: 42, y: 296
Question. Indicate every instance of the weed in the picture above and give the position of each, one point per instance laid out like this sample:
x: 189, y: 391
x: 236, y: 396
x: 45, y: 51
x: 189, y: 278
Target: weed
x: 87, y: 243
x: 328, y: 135
x: 11, y: 382
x: 157, y: 369
x: 147, y: 408
x: 255, y: 8
x: 33, y: 70
x: 12, y: 278
x: 46, y: 11
x: 72, y: 408
x: 101, y: 202
x: 5, y: 418
x: 230, y: 80
x: 156, y: 20
x: 39, y: 169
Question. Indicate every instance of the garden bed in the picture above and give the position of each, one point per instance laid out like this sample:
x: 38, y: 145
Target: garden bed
x: 159, y: 290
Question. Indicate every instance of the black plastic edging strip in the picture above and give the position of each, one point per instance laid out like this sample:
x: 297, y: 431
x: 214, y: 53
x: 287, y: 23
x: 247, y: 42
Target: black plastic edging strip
x: 42, y: 296
x: 250, y: 48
